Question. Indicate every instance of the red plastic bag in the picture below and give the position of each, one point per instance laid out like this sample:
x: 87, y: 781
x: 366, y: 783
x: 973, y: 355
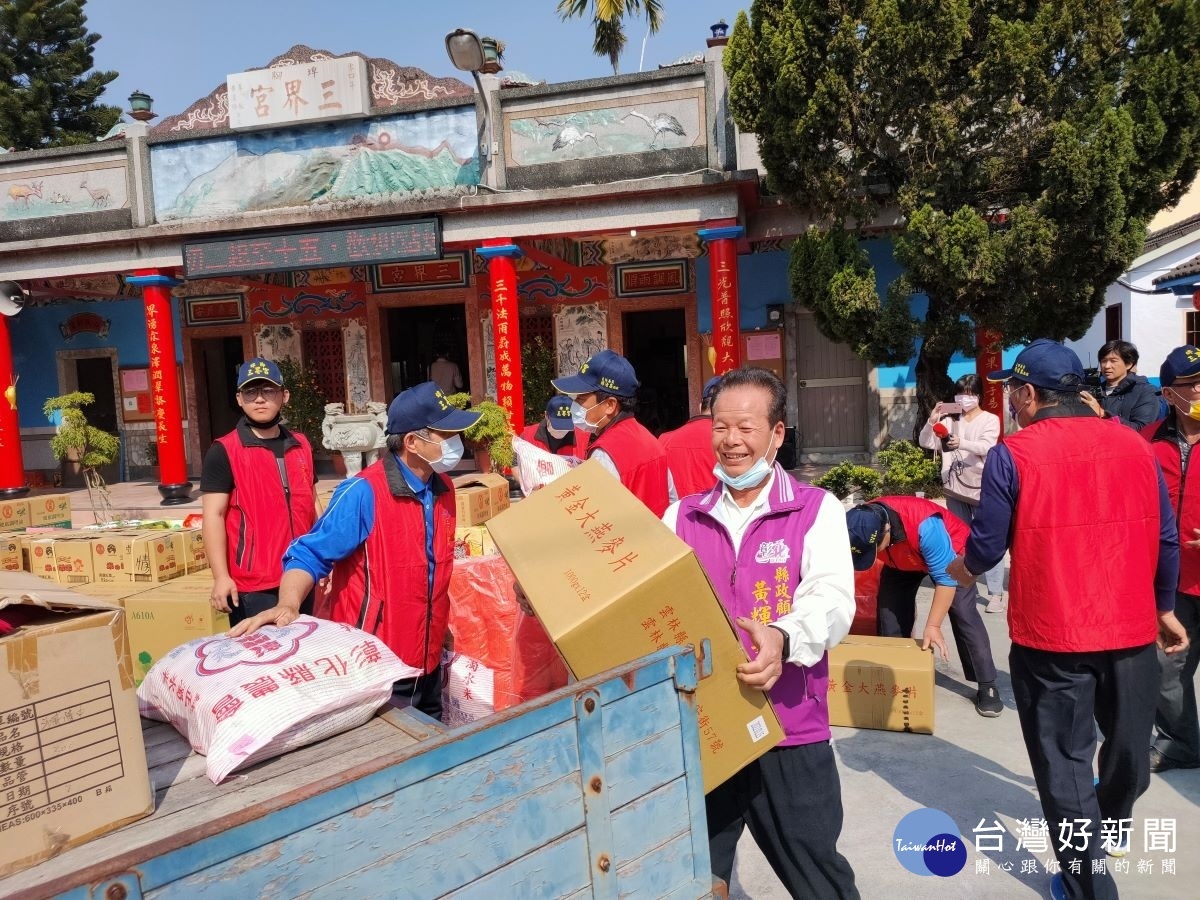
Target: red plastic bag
x: 488, y: 626
x: 866, y: 600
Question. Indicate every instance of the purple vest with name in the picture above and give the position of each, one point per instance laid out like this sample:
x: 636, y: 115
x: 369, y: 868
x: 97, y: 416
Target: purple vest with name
x: 759, y: 584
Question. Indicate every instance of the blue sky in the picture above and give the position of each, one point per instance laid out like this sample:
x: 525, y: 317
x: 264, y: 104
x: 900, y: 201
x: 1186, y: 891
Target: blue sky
x: 179, y: 50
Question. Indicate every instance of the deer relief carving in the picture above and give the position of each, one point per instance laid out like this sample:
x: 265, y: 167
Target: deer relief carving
x: 100, y: 196
x: 24, y: 192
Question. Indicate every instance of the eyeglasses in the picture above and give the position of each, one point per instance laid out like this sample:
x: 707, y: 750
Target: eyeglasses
x: 267, y: 393
x: 1184, y: 387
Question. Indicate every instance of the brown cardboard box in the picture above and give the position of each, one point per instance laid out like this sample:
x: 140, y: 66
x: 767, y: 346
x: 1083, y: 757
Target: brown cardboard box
x: 66, y: 558
x: 114, y: 592
x: 14, y: 515
x: 11, y: 557
x: 50, y: 510
x: 149, y: 556
x: 479, y: 497
x: 473, y: 540
x: 611, y: 583
x: 189, y: 549
x: 72, y: 739
x: 109, y: 555
x: 879, y: 682
x: 160, y: 619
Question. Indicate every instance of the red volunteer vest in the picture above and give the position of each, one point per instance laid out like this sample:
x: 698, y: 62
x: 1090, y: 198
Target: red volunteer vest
x: 383, y: 586
x: 256, y: 530
x: 536, y: 435
x: 1069, y: 593
x: 912, y: 511
x: 639, y: 458
x: 1184, y: 488
x: 690, y: 457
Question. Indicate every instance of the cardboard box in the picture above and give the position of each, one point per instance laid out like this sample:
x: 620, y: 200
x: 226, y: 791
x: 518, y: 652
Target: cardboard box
x: 115, y: 593
x: 883, y: 683
x: 473, y: 540
x: 479, y: 497
x: 189, y: 549
x: 14, y: 515
x: 50, y: 510
x: 160, y: 619
x: 66, y: 560
x: 75, y: 764
x: 148, y: 557
x: 611, y: 583
x: 11, y: 557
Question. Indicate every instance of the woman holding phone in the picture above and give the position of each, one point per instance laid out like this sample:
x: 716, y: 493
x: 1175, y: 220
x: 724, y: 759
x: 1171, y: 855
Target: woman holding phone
x: 963, y: 434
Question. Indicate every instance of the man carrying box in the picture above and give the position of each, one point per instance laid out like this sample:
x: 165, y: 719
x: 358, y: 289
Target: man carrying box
x: 388, y: 540
x: 778, y: 558
x: 916, y: 538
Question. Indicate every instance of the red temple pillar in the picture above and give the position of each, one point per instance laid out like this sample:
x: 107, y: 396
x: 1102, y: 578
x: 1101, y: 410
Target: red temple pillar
x: 723, y: 280
x: 164, y: 384
x: 12, y: 464
x: 989, y: 358
x: 506, y: 325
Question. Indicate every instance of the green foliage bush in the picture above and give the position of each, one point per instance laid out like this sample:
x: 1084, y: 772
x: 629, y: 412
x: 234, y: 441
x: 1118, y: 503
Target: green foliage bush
x: 305, y: 409
x: 846, y: 477
x: 908, y: 469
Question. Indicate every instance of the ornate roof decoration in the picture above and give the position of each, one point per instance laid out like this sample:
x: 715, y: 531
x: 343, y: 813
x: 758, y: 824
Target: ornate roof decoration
x: 392, y: 85
x: 690, y: 60
x: 513, y: 79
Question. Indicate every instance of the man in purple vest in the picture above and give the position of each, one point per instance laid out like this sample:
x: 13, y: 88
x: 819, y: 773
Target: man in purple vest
x: 1083, y: 620
x: 778, y: 556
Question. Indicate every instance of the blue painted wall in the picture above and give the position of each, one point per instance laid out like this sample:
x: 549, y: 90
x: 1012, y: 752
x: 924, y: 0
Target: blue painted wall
x: 36, y: 339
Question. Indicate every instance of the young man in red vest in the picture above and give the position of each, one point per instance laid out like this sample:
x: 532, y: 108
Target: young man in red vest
x: 387, y: 543
x: 555, y: 433
x: 916, y: 538
x: 690, y: 457
x: 258, y: 496
x: 604, y: 397
x: 1084, y: 620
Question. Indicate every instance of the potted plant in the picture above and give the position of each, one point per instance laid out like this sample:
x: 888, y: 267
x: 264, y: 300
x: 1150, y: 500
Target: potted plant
x: 491, y: 437
x: 305, y: 409
x: 539, y: 365
x: 83, y: 446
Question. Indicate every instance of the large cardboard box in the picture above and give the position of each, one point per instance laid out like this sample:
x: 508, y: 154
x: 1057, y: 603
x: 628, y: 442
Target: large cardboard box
x: 883, y: 683
x: 50, y: 510
x: 189, y: 549
x: 611, y: 583
x: 14, y: 515
x: 74, y: 766
x: 479, y: 497
x: 160, y: 619
x: 147, y: 557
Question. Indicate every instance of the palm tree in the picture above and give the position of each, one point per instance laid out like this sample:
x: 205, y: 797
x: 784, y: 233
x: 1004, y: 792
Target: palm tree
x: 607, y: 17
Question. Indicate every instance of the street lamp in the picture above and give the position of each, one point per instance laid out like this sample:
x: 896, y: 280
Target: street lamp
x: 465, y: 50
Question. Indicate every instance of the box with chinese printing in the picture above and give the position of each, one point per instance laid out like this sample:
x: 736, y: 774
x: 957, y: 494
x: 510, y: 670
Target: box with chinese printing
x: 66, y: 559
x: 50, y: 511
x: 149, y: 557
x: 14, y: 515
x: 160, y: 619
x: 11, y: 555
x: 473, y: 540
x: 611, y: 583
x: 70, y: 737
x: 883, y: 683
x: 189, y: 549
x: 479, y: 497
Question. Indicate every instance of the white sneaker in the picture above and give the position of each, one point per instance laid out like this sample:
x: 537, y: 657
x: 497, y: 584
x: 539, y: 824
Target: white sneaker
x: 996, y: 604
x: 1115, y: 849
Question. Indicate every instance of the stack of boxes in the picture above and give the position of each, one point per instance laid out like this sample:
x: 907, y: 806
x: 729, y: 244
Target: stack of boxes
x: 478, y: 497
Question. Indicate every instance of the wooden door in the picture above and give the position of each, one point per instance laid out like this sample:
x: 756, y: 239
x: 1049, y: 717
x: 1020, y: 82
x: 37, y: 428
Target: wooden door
x: 832, y: 396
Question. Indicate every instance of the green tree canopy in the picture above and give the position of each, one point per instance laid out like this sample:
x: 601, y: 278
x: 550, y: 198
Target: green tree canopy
x: 1021, y: 147
x: 608, y: 21
x: 48, y: 93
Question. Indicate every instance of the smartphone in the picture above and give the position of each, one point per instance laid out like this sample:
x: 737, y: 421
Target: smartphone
x: 951, y: 409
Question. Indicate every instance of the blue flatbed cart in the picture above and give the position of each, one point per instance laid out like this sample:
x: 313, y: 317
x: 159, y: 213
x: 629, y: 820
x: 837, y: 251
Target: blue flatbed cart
x: 593, y: 790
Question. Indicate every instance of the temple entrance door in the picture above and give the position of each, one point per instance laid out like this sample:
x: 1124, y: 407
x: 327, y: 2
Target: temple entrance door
x: 216, y: 361
x: 416, y: 334
x: 833, y: 393
x: 655, y: 342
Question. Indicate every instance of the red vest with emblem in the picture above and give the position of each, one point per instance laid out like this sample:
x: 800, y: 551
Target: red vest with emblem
x: 383, y: 586
x: 639, y: 458
x: 1183, y: 484
x: 690, y: 456
x: 912, y: 511
x: 536, y: 435
x: 256, y: 530
x: 1080, y: 478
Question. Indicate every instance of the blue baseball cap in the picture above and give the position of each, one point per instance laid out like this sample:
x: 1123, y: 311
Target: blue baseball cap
x: 259, y: 369
x: 1046, y: 364
x: 558, y: 411
x: 710, y: 389
x: 425, y: 406
x: 865, y: 523
x: 607, y: 371
x: 1182, y: 362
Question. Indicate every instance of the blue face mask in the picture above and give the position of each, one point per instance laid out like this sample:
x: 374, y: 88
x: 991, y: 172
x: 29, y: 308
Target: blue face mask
x: 452, y: 453
x: 751, y: 478
x: 579, y: 418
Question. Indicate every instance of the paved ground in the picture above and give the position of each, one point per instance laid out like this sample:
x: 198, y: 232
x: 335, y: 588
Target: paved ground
x: 971, y: 768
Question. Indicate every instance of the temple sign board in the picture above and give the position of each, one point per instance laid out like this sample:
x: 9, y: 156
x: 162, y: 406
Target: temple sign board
x: 305, y: 92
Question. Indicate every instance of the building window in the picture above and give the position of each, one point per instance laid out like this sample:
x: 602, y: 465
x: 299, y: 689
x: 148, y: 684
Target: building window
x: 1112, y: 323
x: 1191, y: 328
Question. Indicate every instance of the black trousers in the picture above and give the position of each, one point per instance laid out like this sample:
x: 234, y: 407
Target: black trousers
x: 1176, y: 725
x: 423, y: 692
x: 1061, y: 698
x: 791, y: 800
x: 251, y: 603
x: 898, y: 613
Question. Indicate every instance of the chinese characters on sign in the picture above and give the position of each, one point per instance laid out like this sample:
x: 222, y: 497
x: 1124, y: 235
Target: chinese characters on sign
x: 1035, y: 836
x: 585, y: 512
x: 506, y: 337
x: 307, y: 92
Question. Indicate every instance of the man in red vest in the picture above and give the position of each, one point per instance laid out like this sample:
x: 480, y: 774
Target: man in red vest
x: 387, y: 543
x: 258, y: 496
x: 555, y: 433
x: 1084, y: 618
x: 690, y: 457
x: 604, y: 397
x: 916, y: 538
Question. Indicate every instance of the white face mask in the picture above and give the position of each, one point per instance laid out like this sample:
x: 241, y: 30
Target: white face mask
x: 579, y: 417
x: 555, y: 433
x: 452, y: 453
x: 967, y: 401
x: 751, y: 478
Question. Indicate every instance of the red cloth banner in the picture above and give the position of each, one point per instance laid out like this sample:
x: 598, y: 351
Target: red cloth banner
x: 989, y: 358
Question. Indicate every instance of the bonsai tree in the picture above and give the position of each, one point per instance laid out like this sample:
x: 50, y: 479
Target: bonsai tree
x: 305, y: 409
x: 84, y: 444
x: 493, y: 433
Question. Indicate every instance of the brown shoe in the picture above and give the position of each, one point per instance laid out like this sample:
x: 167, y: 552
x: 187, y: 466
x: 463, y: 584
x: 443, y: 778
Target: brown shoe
x: 1160, y: 762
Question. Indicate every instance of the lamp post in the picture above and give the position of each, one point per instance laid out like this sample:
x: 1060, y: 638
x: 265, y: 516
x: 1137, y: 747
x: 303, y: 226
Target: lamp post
x: 465, y: 50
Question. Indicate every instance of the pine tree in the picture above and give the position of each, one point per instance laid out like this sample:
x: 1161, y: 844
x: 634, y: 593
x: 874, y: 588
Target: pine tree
x: 1020, y: 147
x: 48, y: 91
